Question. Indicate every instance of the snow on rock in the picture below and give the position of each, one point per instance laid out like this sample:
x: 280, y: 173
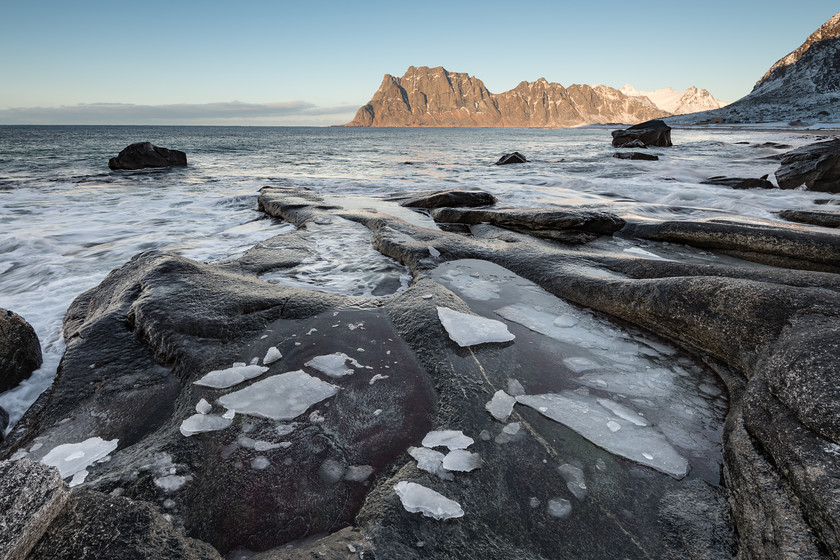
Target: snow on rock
x: 333, y: 365
x: 280, y: 397
x: 560, y: 508
x: 642, y: 444
x: 452, y: 439
x: 224, y: 378
x: 72, y: 458
x: 199, y: 423
x: 272, y: 356
x: 461, y: 460
x: 416, y: 498
x: 501, y: 406
x: 468, y: 330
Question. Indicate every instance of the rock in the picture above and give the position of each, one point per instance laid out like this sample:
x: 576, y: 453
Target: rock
x: 144, y: 154
x: 436, y: 97
x: 739, y: 183
x: 456, y: 199
x: 95, y: 526
x: 4, y: 422
x: 650, y: 133
x: 824, y: 218
x: 20, y: 350
x: 515, y: 157
x: 635, y: 155
x: 561, y: 225
x: 31, y: 496
x: 699, y: 523
x: 817, y: 166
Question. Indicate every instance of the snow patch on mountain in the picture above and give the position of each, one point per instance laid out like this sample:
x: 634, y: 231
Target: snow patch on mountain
x: 691, y: 100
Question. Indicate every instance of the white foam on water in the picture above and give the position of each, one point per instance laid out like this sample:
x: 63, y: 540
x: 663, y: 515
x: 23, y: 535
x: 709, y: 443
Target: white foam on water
x: 280, y: 397
x: 416, y: 498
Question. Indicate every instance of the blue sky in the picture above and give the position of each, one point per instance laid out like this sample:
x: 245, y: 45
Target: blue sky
x: 316, y: 62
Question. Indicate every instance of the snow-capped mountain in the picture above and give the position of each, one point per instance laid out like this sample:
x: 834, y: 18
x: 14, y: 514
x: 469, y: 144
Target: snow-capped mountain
x: 802, y: 86
x: 691, y: 100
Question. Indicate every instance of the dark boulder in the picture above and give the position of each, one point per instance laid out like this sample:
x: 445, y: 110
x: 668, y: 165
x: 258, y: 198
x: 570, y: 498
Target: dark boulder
x: 636, y: 156
x: 441, y: 199
x: 515, y: 157
x: 822, y: 218
x: 4, y: 421
x: 20, y: 350
x: 650, y: 133
x: 817, y: 166
x: 145, y: 154
x: 739, y: 183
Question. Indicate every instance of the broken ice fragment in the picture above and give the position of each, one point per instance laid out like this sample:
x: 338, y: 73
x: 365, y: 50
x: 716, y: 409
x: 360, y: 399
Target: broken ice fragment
x: 416, y: 498
x: 260, y: 463
x: 501, y: 406
x: 508, y: 433
x: 358, y: 473
x: 71, y: 458
x: 224, y: 378
x: 461, y: 460
x: 198, y: 423
x: 515, y: 388
x: 171, y: 483
x: 453, y: 439
x: 280, y: 397
x: 623, y: 412
x: 468, y: 330
x: 560, y: 508
x: 430, y: 461
x: 272, y: 356
x: 331, y: 471
x: 433, y: 252
x: 203, y: 407
x: 376, y: 378
x: 575, y: 481
x: 583, y: 415
x: 333, y: 365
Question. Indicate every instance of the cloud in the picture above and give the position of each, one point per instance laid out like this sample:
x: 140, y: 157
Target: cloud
x: 229, y: 113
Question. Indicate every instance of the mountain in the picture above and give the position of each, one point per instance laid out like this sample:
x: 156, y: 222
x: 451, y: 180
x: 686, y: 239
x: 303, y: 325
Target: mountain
x: 436, y: 97
x: 690, y: 100
x: 804, y: 85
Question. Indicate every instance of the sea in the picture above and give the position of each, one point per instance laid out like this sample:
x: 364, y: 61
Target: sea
x: 66, y: 220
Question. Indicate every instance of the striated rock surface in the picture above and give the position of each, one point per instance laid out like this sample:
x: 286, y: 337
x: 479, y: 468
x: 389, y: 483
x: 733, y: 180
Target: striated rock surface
x: 142, y: 155
x: 825, y: 218
x: 436, y: 97
x: 586, y: 319
x: 20, y: 350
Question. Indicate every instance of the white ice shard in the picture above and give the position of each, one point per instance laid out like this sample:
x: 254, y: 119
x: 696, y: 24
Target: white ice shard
x: 430, y: 461
x: 198, y: 423
x: 71, y: 458
x: 416, y: 498
x: 642, y: 444
x: 224, y: 378
x: 501, y: 406
x: 171, y: 482
x: 452, y: 439
x: 280, y: 397
x: 272, y: 355
x: 575, y: 481
x: 358, y: 473
x: 560, y: 508
x: 203, y: 407
x: 515, y: 388
x: 468, y: 330
x: 260, y: 463
x: 333, y: 365
x: 461, y: 460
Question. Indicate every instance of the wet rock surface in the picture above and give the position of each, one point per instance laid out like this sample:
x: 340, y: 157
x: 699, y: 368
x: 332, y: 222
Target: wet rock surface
x: 643, y: 135
x: 825, y: 218
x: 636, y: 156
x: 816, y: 166
x: 458, y: 199
x: 514, y: 157
x: 142, y: 155
x: 20, y: 350
x: 724, y: 363
x: 740, y: 182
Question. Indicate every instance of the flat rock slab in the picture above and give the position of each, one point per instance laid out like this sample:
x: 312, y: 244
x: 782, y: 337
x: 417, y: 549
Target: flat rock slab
x: 534, y: 219
x: 824, y: 218
x: 457, y: 199
x: 31, y: 496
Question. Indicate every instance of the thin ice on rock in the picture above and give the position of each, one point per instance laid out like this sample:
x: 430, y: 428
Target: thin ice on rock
x: 333, y: 365
x: 416, y: 498
x: 280, y: 397
x: 469, y: 330
x: 224, y: 378
x: 452, y: 439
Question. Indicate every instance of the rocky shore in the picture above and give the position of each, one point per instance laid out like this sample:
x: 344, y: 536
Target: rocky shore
x: 537, y: 391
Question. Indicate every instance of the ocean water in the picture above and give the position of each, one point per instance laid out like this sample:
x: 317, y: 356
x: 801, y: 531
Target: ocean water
x: 66, y: 220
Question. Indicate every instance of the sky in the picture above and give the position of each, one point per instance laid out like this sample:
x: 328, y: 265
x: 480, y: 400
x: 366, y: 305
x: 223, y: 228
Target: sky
x: 314, y: 63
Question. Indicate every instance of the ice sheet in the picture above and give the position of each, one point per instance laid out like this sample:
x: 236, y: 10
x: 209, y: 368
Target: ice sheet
x: 468, y: 330
x: 280, y: 397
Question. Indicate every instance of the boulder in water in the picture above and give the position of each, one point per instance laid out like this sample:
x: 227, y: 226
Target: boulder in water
x: 515, y: 157
x: 739, y: 183
x: 20, y: 350
x: 636, y: 156
x: 440, y: 199
x: 145, y: 154
x: 816, y: 166
x: 650, y: 133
